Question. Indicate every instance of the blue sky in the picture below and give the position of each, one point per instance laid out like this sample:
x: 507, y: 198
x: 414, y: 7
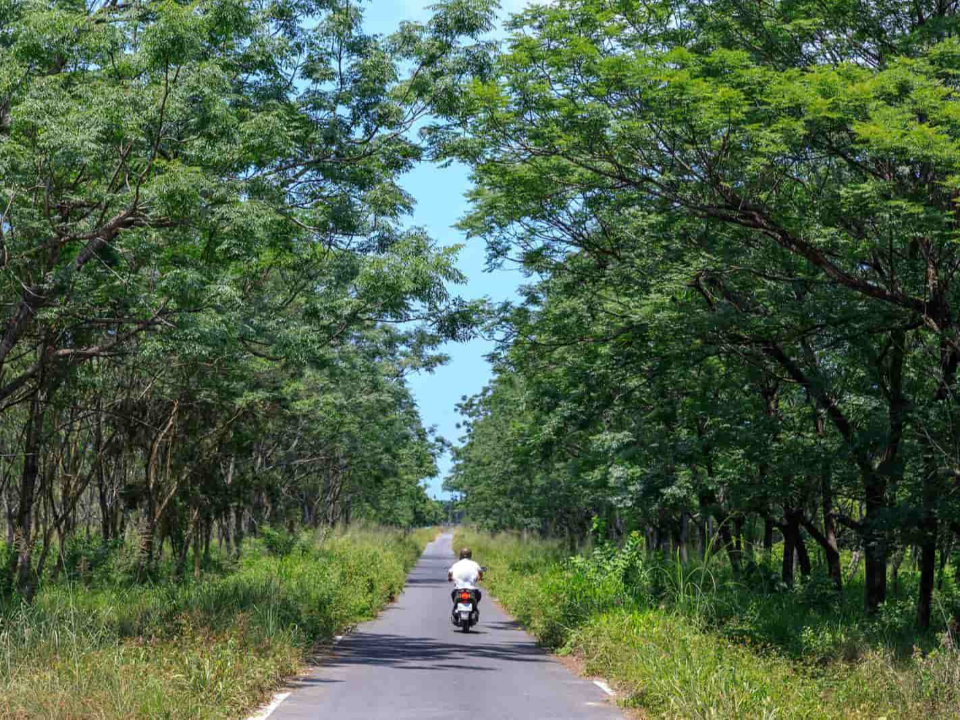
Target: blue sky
x: 440, y: 203
x: 383, y: 16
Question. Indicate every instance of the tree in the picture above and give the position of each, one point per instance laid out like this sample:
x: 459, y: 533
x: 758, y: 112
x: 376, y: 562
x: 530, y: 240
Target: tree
x: 779, y: 176
x: 201, y: 222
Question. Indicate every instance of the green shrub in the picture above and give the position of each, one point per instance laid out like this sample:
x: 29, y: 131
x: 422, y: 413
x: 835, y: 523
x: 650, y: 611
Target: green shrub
x: 691, y: 640
x: 278, y: 542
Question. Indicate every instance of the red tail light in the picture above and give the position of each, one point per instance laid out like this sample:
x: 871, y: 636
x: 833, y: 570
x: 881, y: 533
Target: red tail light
x: 464, y: 596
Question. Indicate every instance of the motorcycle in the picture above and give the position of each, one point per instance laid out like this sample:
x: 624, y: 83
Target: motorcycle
x: 466, y: 614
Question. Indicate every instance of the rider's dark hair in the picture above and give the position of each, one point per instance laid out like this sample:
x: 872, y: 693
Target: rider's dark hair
x: 465, y: 553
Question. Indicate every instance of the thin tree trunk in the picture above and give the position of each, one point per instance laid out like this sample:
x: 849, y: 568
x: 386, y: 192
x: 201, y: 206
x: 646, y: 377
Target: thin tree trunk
x: 767, y: 538
x: 106, y: 521
x: 198, y: 536
x: 238, y: 531
x: 854, y: 564
x: 684, y: 533
x: 207, y: 535
x: 24, y: 523
x: 896, y: 561
x: 794, y: 548
x: 789, y: 545
x: 945, y: 549
x: 830, y: 547
x: 803, y: 557
x: 928, y: 556
x: 875, y: 546
x: 723, y: 531
x: 829, y: 539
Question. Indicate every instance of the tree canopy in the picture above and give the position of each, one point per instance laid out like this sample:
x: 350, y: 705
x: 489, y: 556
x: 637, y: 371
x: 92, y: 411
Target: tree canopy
x: 740, y: 224
x: 211, y: 293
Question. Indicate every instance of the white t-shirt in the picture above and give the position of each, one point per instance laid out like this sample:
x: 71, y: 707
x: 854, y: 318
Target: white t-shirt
x: 465, y: 574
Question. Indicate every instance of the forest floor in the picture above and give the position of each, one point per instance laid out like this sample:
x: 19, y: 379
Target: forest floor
x: 98, y: 644
x: 687, y: 640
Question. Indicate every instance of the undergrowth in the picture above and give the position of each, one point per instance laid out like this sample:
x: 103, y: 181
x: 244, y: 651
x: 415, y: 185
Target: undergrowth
x: 689, y: 640
x: 106, y: 647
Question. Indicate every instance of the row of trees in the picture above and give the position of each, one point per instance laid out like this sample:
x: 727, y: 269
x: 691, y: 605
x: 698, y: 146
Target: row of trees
x: 741, y: 221
x: 209, y: 299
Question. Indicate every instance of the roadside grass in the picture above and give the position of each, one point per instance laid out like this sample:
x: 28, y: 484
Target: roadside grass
x: 687, y: 640
x: 208, y: 648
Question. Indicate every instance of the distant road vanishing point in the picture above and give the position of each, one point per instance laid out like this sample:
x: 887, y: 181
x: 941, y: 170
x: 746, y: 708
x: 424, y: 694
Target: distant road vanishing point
x: 411, y: 663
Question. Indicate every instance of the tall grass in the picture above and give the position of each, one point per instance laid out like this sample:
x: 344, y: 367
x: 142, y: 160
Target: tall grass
x: 212, y: 648
x: 690, y: 640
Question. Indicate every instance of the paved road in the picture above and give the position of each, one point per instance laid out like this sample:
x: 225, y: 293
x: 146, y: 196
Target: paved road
x: 411, y: 663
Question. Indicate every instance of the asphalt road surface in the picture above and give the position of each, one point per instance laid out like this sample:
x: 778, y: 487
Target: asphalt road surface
x: 411, y: 663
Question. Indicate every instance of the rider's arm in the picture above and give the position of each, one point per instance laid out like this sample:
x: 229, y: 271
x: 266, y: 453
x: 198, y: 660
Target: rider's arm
x: 449, y: 576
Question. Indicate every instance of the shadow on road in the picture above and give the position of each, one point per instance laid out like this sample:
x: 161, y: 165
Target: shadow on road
x: 309, y: 680
x: 505, y: 625
x: 427, y: 581
x: 418, y: 653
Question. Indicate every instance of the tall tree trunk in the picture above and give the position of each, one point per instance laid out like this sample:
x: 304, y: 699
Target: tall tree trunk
x: 875, y: 535
x: 24, y: 521
x: 182, y: 550
x: 794, y: 548
x: 198, y: 536
x: 955, y: 529
x: 238, y: 530
x: 830, y: 547
x: 663, y: 531
x: 156, y: 505
x: 896, y: 561
x: 828, y: 541
x: 854, y: 563
x: 945, y: 549
x: 149, y: 536
x: 106, y: 514
x: 226, y: 535
x: 930, y: 495
x: 683, y: 540
x: 875, y: 549
x: 11, y: 516
x: 789, y: 547
x: 767, y: 538
x: 723, y: 531
x: 803, y: 557
x: 207, y: 536
x: 928, y: 555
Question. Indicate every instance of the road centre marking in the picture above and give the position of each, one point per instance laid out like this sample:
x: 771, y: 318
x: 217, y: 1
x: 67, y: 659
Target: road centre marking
x: 275, y: 703
x: 603, y: 686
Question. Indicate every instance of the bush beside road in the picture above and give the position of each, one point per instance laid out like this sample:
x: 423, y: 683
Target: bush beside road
x: 107, y: 648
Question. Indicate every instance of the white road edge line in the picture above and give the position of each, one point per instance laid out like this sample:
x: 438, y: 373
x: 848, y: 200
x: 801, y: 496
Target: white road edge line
x: 603, y: 686
x: 280, y: 697
x: 268, y: 710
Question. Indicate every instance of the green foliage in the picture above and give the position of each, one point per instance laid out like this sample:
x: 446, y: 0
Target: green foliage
x: 278, y: 543
x: 740, y: 225
x: 212, y: 296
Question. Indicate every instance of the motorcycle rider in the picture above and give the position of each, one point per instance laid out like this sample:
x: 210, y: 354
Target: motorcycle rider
x: 465, y: 573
